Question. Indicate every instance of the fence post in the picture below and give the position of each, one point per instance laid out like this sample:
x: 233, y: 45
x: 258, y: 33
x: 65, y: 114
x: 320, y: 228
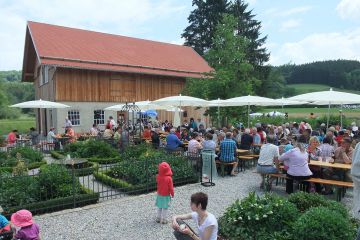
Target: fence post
x: 73, y: 183
x: 147, y: 174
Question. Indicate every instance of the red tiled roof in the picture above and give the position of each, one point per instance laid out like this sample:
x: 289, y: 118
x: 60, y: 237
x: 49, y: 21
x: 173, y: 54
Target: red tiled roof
x: 76, y: 48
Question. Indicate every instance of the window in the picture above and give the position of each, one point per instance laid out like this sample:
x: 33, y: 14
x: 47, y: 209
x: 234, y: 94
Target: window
x: 44, y: 75
x: 74, y: 117
x: 99, y: 117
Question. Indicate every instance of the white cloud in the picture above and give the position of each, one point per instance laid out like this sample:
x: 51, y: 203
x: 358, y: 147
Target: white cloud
x: 349, y: 9
x: 113, y: 16
x: 278, y: 12
x: 317, y: 47
x: 297, y: 10
x: 290, y: 24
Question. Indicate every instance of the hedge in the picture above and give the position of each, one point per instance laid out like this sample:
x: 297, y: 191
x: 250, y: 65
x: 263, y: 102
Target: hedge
x: 80, y: 172
x: 57, y: 155
x: 104, y: 160
x: 30, y: 167
x: 57, y: 204
x: 128, y: 188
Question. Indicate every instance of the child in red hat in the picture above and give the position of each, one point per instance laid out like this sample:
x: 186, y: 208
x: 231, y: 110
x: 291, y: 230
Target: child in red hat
x: 165, y: 190
x: 25, y: 228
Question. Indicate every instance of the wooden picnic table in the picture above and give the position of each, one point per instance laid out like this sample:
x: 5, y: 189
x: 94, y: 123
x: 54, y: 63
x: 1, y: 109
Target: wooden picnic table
x: 331, y: 165
x: 237, y: 150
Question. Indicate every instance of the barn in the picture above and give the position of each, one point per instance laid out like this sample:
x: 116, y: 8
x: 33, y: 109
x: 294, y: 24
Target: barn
x: 90, y: 71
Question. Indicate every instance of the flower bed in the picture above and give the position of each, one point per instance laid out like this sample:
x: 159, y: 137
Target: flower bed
x: 136, y: 173
x: 32, y: 159
x: 302, y: 216
x: 53, y: 189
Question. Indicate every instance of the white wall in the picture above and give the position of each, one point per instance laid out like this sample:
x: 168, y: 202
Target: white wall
x: 86, y: 110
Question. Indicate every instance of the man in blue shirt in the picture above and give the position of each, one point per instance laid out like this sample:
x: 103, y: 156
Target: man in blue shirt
x: 172, y: 141
x: 228, y: 151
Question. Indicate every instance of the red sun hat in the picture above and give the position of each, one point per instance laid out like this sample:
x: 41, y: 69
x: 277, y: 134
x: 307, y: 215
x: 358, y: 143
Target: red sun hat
x: 22, y: 218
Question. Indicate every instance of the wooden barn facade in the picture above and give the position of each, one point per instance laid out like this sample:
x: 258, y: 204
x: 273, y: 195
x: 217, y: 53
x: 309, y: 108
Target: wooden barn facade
x: 90, y: 71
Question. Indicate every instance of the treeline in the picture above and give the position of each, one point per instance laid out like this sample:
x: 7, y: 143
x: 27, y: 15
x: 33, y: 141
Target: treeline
x: 335, y: 73
x: 12, y: 91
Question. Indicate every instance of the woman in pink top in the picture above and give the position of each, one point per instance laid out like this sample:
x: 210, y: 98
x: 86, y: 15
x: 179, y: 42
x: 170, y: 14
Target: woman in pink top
x: 298, y: 168
x: 11, y: 138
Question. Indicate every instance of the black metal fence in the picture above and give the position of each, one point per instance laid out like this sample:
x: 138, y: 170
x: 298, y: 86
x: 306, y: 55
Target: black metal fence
x: 55, y: 187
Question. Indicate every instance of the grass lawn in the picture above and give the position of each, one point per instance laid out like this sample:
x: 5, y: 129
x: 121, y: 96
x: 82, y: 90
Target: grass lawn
x: 306, y: 88
x: 21, y: 124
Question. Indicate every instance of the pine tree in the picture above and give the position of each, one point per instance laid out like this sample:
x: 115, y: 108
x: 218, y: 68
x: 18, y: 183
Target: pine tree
x: 249, y: 28
x: 203, y: 21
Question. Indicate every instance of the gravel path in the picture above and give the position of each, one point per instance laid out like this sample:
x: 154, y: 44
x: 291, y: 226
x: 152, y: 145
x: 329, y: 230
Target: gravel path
x: 134, y: 217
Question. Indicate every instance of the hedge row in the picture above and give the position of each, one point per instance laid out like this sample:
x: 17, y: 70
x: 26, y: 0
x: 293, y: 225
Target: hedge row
x: 104, y: 160
x: 128, y: 188
x: 57, y: 204
x: 57, y: 155
x: 87, y: 171
x: 30, y: 167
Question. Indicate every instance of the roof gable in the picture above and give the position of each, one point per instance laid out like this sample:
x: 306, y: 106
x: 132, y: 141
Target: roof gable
x: 70, y: 47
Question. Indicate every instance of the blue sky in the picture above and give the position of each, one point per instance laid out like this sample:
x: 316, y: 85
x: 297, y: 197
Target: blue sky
x: 298, y: 31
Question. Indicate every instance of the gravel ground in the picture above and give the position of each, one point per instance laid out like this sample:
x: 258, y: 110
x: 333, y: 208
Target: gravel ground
x: 134, y: 217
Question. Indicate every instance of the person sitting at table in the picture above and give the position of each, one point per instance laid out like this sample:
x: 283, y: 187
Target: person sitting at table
x: 12, y: 137
x: 220, y: 138
x: 155, y: 138
x: 202, y: 129
x: 70, y: 133
x: 206, y: 222
x: 51, y: 137
x: 256, y: 136
x: 34, y: 136
x: 228, y: 152
x: 147, y: 133
x: 194, y: 146
x: 296, y: 161
x: 246, y: 140
x: 339, y: 137
x: 185, y: 135
x: 117, y: 135
x: 315, y: 154
x: 94, y: 131
x: 343, y: 154
x: 209, y: 143
x: 268, y: 159
x: 108, y: 133
x: 178, y: 132
x: 172, y: 141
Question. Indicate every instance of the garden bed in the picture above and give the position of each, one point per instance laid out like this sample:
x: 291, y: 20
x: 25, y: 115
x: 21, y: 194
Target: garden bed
x: 123, y: 186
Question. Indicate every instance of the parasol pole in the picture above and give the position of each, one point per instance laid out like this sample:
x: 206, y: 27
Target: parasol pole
x: 248, y: 115
x: 328, y: 116
x: 341, y: 116
x: 218, y: 114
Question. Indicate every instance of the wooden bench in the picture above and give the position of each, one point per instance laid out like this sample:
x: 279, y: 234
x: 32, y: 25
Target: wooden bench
x: 340, y: 185
x: 243, y: 159
x: 223, y: 164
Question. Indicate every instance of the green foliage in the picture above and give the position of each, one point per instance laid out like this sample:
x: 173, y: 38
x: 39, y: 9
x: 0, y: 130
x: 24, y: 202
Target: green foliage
x: 335, y: 73
x: 56, y: 181
x: 202, y: 22
x: 258, y: 218
x: 301, y: 216
x: 28, y: 154
x: 91, y: 149
x: 17, y: 191
x: 20, y: 169
x: 322, y: 223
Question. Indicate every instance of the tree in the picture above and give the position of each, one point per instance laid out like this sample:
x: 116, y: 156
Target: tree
x: 249, y: 28
x: 233, y: 76
x: 203, y: 21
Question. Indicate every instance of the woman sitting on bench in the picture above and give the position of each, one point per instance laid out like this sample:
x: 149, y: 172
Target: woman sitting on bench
x: 298, y: 167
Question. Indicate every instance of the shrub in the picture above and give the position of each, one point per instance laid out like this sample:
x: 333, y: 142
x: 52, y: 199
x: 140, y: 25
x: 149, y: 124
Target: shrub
x: 91, y: 148
x: 322, y: 223
x: 269, y: 217
x: 57, y: 155
x: 17, y: 191
x: 28, y: 154
x: 145, y: 169
x: 56, y: 181
x: 305, y: 201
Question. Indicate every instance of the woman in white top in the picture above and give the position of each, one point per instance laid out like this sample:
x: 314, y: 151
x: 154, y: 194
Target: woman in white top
x: 206, y: 222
